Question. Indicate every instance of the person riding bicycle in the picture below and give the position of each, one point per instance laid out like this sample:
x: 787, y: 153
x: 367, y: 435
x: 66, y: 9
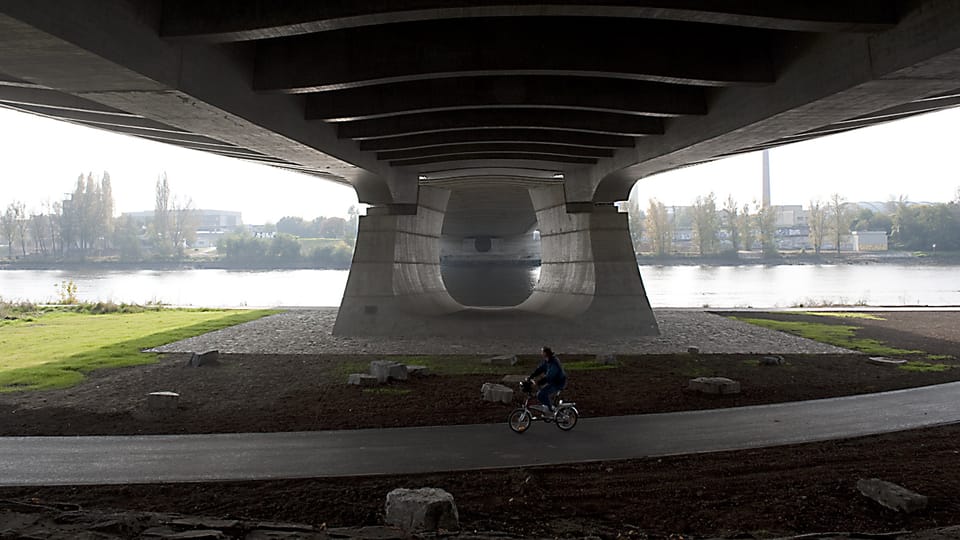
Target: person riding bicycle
x: 554, y: 379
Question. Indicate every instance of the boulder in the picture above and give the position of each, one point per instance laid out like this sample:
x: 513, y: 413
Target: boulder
x: 693, y: 350
x: 162, y: 401
x: 422, y: 510
x: 361, y: 379
x: 418, y: 371
x: 775, y: 360
x: 496, y: 393
x: 512, y: 380
x: 714, y: 385
x: 503, y: 360
x: 892, y: 496
x: 384, y: 370
x: 606, y: 359
x: 205, y: 358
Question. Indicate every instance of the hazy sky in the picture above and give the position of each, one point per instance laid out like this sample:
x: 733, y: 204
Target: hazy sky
x: 41, y: 159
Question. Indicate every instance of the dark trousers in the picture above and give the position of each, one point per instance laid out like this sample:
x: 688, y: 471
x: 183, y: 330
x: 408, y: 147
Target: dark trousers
x: 546, y: 392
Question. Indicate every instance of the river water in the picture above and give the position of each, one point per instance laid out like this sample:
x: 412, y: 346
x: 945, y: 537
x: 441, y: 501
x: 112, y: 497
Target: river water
x: 667, y: 286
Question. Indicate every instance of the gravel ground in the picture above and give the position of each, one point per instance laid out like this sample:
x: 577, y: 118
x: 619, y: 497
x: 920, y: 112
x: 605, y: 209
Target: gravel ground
x: 308, y: 331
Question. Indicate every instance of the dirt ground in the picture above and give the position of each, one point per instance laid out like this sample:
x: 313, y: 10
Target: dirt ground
x: 255, y: 393
x: 756, y: 493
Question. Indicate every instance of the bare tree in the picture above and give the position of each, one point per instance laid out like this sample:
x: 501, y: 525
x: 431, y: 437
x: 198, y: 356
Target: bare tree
x: 659, y: 228
x: 21, y: 221
x: 731, y: 222
x: 184, y: 224
x: 38, y: 232
x: 706, y: 224
x: 8, y: 222
x: 817, y: 220
x: 839, y: 218
x: 161, y: 215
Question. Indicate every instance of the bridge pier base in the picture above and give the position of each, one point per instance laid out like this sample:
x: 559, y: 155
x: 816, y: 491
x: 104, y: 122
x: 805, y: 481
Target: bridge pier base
x: 589, y: 281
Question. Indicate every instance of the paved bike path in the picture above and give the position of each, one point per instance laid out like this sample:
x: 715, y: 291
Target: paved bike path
x: 259, y: 456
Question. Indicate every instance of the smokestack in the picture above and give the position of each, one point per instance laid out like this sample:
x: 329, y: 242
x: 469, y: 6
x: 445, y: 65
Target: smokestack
x: 766, y: 178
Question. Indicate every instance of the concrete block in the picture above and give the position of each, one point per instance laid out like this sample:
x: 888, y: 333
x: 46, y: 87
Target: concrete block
x: 884, y: 361
x: 384, y: 370
x: 512, y: 380
x: 162, y: 401
x: 496, y: 393
x: 892, y: 496
x: 204, y: 358
x: 714, y: 385
x: 693, y: 350
x: 504, y: 360
x: 606, y: 359
x: 418, y: 371
x: 775, y: 360
x: 362, y: 379
x: 422, y: 510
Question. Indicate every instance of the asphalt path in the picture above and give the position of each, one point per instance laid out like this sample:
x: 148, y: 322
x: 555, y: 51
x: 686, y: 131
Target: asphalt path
x: 33, y: 461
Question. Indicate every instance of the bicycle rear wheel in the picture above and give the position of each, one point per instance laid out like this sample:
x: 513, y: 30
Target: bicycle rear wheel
x: 519, y: 420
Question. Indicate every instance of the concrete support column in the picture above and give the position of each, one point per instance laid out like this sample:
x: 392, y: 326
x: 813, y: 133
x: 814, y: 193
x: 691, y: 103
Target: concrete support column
x: 395, y: 283
x: 589, y: 272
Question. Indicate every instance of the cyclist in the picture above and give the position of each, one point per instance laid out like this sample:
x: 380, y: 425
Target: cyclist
x: 553, y: 379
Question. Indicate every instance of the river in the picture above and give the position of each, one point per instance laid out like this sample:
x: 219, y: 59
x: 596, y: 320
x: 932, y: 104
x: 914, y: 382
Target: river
x: 667, y: 286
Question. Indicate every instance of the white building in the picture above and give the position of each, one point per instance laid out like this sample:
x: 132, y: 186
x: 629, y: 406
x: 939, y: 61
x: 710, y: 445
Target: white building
x: 869, y: 240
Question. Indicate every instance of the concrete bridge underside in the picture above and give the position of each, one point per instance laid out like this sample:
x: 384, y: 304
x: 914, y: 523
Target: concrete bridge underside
x: 553, y: 108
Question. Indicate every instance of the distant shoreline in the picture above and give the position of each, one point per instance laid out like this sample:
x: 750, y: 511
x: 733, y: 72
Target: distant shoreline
x: 903, y: 258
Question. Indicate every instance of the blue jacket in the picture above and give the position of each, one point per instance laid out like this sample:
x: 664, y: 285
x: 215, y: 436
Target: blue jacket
x: 555, y: 376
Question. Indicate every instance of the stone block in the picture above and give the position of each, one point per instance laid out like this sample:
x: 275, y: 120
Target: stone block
x: 606, y: 359
x: 892, y: 496
x: 714, y: 385
x: 205, y: 358
x: 162, y: 401
x: 513, y: 380
x: 496, y: 393
x: 418, y: 371
x: 503, y: 360
x: 362, y: 379
x: 775, y: 360
x: 693, y: 350
x: 422, y: 510
x: 884, y: 361
x: 384, y: 370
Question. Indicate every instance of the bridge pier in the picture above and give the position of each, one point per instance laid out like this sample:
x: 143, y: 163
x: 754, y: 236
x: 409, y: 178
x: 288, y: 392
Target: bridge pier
x: 589, y: 282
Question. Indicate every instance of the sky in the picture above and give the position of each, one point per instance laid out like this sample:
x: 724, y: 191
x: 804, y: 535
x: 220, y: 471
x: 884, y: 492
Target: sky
x: 40, y: 160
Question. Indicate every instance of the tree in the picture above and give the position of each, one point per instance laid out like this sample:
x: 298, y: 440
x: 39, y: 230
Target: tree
x: 20, y: 222
x: 839, y: 218
x: 8, y: 222
x: 38, y: 232
x: 183, y: 228
x: 706, y: 224
x: 104, y: 218
x: 161, y: 216
x: 731, y: 223
x: 334, y: 227
x: 817, y: 221
x: 659, y: 228
x: 767, y: 228
x: 126, y: 238
x: 903, y: 218
x: 746, y: 227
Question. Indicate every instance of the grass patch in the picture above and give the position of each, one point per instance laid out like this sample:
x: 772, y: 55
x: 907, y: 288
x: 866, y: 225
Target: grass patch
x: 923, y: 367
x: 58, y: 348
x: 939, y: 357
x: 387, y: 391
x: 845, y: 315
x: 586, y: 365
x: 832, y: 334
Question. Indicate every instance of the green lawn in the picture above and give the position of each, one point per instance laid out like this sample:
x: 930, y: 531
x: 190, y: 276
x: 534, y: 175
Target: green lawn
x: 834, y: 334
x: 55, y: 349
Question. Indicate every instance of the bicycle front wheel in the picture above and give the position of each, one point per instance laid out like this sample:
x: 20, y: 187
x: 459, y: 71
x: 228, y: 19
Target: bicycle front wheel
x: 566, y: 418
x: 519, y: 420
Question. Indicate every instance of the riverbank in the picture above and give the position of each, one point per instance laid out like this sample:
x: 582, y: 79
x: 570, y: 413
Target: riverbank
x: 793, y: 258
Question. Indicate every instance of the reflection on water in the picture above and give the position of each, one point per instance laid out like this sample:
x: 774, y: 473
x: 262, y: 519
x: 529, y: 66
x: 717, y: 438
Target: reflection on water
x: 489, y: 285
x: 673, y: 286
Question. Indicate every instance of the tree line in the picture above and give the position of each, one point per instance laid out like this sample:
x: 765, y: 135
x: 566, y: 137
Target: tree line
x: 730, y: 228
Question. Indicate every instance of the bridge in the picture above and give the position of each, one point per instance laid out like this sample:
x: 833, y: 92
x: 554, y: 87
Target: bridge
x: 470, y: 124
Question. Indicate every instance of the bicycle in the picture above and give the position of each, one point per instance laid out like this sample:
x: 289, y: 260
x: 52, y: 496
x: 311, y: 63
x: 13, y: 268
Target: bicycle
x: 565, y: 415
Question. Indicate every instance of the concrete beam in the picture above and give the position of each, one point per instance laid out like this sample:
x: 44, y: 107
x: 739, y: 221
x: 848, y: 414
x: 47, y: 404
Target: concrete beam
x: 560, y: 120
x: 265, y: 19
x: 482, y: 136
x: 493, y: 157
x: 43, y: 98
x: 452, y: 149
x: 825, y: 79
x: 623, y: 49
x: 578, y: 93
